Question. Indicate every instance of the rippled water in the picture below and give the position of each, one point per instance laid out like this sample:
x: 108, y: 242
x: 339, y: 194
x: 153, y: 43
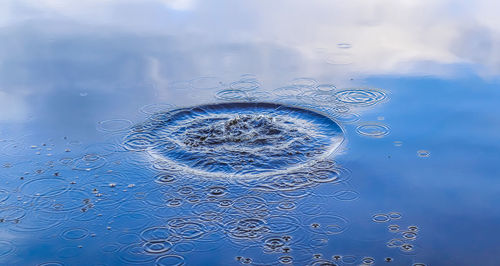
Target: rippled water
x: 284, y: 133
x: 237, y: 139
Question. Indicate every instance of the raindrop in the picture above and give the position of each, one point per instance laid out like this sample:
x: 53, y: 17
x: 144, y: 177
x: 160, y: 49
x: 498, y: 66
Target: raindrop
x: 394, y: 215
x: 231, y: 95
x: 360, y: 97
x: 328, y: 224
x: 393, y: 228
x: 373, y: 130
x: 170, y: 260
x: 75, y: 233
x: 368, y: 260
x: 380, y: 218
x: 157, y: 247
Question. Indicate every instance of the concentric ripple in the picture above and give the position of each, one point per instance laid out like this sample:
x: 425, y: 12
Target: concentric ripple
x: 361, y: 97
x: 237, y: 139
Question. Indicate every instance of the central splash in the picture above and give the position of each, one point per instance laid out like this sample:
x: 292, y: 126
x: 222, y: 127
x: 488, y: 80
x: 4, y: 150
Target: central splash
x: 238, y: 139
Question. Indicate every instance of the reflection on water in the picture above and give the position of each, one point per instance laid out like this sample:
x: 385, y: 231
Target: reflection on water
x: 176, y: 132
x: 139, y: 198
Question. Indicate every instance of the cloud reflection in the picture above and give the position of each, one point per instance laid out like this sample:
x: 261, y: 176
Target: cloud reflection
x: 385, y: 37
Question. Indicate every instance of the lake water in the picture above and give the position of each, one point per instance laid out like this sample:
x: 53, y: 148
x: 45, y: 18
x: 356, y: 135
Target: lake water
x: 287, y: 133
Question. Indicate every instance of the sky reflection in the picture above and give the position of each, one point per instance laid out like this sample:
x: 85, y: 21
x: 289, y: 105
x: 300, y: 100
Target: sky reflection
x: 67, y: 66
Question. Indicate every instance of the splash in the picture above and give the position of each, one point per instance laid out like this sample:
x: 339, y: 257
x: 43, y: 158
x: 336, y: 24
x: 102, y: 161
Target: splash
x: 238, y: 139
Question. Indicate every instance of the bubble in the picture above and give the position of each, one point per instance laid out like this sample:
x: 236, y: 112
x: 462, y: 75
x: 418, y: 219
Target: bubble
x: 360, y: 97
x: 114, y: 125
x: 380, y: 218
x: 398, y: 143
x: 328, y: 224
x: 423, y: 153
x: 75, y: 233
x: 373, y: 130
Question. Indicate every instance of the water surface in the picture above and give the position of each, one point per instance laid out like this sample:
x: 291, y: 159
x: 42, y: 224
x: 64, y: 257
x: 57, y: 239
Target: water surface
x: 183, y: 132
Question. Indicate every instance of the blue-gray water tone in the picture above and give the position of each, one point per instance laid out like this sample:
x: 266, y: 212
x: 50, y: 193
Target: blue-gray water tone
x: 187, y: 132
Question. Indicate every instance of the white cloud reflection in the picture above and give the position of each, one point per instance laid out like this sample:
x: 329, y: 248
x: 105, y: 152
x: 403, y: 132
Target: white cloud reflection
x: 386, y: 37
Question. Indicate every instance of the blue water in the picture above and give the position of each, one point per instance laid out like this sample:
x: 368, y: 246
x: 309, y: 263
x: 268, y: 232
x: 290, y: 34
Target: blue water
x: 285, y: 133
